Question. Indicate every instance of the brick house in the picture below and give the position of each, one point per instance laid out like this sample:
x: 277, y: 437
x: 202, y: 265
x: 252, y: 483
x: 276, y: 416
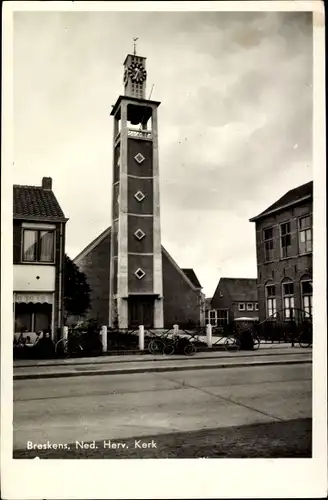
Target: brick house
x: 183, y: 297
x: 284, y: 254
x: 233, y: 298
x: 38, y: 256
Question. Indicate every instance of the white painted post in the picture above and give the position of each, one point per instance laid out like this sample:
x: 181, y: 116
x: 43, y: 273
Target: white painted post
x: 176, y: 329
x: 65, y: 332
x: 141, y: 337
x: 103, y: 334
x: 209, y: 335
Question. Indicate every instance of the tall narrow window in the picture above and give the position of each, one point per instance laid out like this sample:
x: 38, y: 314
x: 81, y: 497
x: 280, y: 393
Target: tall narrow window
x: 30, y: 246
x: 271, y: 304
x: 306, y: 288
x: 285, y: 240
x: 268, y: 244
x: 288, y: 298
x: 46, y: 246
x: 222, y: 317
x: 305, y: 234
x: 213, y: 317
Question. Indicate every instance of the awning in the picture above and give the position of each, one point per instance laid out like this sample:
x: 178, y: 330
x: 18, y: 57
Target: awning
x: 35, y: 298
x: 247, y: 319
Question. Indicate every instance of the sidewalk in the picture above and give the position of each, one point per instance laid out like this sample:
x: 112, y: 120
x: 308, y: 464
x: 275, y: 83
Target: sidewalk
x: 265, y: 350
x: 110, y: 365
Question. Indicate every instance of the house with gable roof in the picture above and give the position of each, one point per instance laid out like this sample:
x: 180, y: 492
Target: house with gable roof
x: 234, y: 298
x: 39, y: 227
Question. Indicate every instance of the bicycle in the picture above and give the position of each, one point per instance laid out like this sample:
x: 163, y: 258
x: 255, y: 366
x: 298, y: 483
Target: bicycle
x: 305, y: 339
x: 232, y: 344
x: 64, y: 346
x: 173, y: 345
x: 156, y: 346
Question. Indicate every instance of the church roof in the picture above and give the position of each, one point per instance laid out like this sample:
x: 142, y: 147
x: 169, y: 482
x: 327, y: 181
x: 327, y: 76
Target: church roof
x: 36, y: 203
x: 190, y: 273
x: 92, y: 245
x: 303, y: 192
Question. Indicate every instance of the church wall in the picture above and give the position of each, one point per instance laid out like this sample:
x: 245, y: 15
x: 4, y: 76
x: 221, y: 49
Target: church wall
x: 95, y: 265
x: 181, y: 302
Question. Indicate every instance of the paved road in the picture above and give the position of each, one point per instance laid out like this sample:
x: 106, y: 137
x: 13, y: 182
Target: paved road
x: 121, y: 406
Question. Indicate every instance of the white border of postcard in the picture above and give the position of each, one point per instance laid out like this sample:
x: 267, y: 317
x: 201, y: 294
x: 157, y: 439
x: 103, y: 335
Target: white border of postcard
x: 175, y: 478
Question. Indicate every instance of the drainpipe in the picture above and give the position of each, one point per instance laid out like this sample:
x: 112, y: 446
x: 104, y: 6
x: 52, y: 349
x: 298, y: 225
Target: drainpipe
x: 14, y: 311
x: 60, y: 274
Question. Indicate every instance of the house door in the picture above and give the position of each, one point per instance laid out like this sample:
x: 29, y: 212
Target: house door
x: 141, y: 312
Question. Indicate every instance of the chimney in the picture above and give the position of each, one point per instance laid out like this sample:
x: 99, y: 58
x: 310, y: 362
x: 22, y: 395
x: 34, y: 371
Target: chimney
x: 47, y: 183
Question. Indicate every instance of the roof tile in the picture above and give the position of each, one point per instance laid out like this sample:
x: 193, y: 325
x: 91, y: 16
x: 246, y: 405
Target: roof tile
x: 238, y: 289
x: 34, y: 201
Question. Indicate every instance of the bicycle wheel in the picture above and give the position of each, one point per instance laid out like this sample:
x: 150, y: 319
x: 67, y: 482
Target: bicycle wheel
x: 257, y: 342
x: 156, y: 346
x: 305, y: 340
x: 232, y: 344
x: 189, y: 349
x: 168, y: 348
x: 61, y: 348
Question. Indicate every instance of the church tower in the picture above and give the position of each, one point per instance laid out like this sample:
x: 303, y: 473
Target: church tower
x: 136, y: 281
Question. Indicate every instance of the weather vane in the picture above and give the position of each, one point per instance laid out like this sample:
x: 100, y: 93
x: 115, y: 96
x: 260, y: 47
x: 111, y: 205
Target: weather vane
x: 135, y: 45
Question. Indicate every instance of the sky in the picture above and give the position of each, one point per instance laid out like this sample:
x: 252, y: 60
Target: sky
x: 235, y: 121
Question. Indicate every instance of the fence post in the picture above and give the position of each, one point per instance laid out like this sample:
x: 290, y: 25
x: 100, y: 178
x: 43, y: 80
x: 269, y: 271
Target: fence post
x: 209, y: 335
x: 103, y: 334
x: 176, y: 329
x: 141, y: 337
x: 65, y: 332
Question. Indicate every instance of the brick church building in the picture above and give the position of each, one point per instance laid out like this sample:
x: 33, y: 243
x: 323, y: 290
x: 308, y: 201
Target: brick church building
x: 134, y: 280
x: 184, y: 302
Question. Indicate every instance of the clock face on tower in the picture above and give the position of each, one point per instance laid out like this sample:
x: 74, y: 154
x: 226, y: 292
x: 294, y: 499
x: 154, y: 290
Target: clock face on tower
x: 137, y: 72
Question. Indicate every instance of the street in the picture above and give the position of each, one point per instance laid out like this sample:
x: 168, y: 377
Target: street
x: 116, y: 407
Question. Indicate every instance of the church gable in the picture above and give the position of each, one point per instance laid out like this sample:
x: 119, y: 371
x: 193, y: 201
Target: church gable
x: 181, y: 296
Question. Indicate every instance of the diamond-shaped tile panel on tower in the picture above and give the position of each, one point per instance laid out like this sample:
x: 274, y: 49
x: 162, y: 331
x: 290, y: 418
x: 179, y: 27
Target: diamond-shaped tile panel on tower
x: 139, y: 273
x: 139, y: 234
x: 139, y: 196
x: 139, y: 158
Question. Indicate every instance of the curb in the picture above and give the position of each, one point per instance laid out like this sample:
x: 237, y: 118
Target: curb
x: 139, y: 358
x: 158, y: 369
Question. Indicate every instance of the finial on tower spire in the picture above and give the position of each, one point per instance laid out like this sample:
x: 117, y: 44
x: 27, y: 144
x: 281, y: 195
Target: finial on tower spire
x: 135, y: 45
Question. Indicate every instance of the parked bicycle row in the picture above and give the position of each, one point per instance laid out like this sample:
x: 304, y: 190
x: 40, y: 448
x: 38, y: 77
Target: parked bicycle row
x: 86, y: 340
